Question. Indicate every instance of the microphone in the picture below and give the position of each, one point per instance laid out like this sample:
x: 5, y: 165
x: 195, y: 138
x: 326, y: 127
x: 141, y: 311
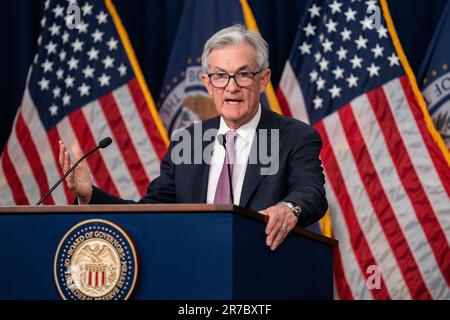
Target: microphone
x: 102, y: 145
x: 223, y: 142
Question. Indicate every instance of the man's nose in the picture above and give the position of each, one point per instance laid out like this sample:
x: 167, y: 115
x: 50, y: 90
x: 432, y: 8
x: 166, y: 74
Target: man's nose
x: 232, y: 85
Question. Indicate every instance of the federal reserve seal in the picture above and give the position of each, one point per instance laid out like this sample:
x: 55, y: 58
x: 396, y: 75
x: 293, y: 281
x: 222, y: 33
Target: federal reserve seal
x: 95, y: 260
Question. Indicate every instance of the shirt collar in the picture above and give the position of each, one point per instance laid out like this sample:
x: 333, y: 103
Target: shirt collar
x: 246, y: 130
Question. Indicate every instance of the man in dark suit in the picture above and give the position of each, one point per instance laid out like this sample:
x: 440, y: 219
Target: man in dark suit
x: 249, y: 155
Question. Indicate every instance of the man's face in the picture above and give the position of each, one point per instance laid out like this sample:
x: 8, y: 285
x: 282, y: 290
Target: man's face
x: 237, y: 105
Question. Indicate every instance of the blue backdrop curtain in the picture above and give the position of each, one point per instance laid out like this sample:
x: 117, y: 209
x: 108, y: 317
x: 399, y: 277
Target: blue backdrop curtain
x: 152, y: 26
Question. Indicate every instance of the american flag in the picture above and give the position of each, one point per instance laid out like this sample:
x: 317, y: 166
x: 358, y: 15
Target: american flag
x: 83, y: 85
x: 387, y: 171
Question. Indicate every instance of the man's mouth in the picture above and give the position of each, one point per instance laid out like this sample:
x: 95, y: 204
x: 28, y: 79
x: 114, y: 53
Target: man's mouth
x: 233, y: 101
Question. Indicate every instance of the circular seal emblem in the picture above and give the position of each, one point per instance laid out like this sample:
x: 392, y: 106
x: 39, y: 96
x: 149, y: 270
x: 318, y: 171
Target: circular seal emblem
x: 95, y: 260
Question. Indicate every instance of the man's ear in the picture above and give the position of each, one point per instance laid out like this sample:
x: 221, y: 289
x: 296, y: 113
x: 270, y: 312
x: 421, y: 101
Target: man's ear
x: 265, y: 79
x: 205, y: 79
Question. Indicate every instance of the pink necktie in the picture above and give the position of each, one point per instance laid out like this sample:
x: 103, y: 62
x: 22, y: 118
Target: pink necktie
x: 223, y: 194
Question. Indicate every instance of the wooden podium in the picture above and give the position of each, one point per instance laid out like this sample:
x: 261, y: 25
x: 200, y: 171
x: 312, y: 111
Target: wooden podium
x: 185, y: 251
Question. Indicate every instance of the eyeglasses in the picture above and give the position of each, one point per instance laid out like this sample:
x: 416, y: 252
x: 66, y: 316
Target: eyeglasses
x: 243, y: 78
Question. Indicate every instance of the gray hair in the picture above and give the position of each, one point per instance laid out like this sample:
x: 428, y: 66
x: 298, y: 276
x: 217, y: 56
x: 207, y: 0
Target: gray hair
x: 234, y: 35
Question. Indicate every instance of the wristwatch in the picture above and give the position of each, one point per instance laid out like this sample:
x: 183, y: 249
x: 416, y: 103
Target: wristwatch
x: 295, y: 208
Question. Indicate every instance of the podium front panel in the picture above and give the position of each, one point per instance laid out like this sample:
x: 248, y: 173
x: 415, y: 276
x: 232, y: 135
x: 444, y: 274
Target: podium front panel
x: 181, y: 255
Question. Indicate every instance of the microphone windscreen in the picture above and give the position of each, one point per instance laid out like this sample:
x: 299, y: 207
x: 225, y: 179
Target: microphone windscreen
x: 105, y: 142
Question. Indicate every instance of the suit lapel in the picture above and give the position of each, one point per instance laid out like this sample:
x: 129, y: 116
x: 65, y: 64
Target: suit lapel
x: 253, y: 174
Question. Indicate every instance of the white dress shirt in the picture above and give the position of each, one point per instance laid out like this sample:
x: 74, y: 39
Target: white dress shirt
x: 244, y: 140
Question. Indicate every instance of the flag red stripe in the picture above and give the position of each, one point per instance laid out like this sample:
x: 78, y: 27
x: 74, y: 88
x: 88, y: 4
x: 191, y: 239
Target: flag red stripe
x: 18, y: 192
x: 284, y: 105
x: 147, y: 119
x: 29, y: 149
x: 343, y: 288
x: 53, y: 137
x: 382, y: 207
x: 356, y: 236
x: 123, y: 141
x: 95, y: 161
x: 410, y: 180
x: 435, y: 153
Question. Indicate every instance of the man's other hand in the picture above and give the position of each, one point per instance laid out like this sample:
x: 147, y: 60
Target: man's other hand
x: 79, y: 180
x: 281, y: 221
